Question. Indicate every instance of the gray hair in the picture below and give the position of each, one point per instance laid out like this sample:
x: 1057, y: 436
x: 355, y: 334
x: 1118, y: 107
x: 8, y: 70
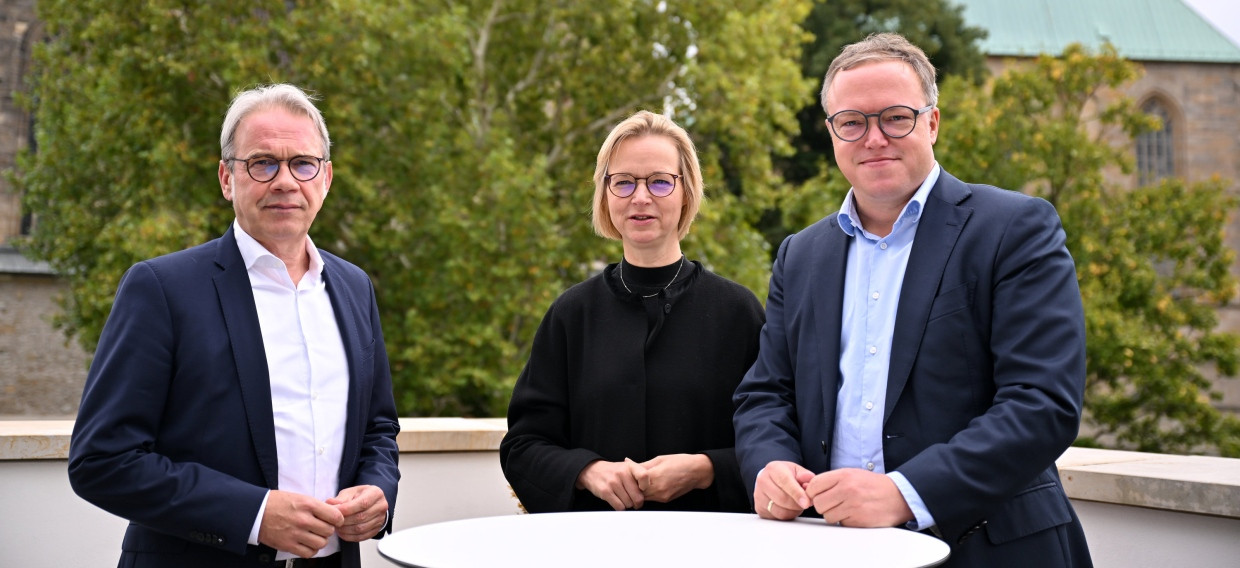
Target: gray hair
x: 884, y: 47
x: 280, y: 95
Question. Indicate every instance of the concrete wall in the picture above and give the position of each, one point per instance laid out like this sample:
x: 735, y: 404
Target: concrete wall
x: 1138, y: 510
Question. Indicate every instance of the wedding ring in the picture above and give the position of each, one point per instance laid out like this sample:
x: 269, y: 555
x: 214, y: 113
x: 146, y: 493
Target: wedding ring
x: 770, y: 504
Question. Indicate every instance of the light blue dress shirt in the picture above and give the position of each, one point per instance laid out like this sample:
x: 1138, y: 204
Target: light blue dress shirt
x: 871, y: 294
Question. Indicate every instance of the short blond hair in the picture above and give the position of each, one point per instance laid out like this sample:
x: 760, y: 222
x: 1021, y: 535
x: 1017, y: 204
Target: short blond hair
x: 646, y: 123
x: 883, y: 47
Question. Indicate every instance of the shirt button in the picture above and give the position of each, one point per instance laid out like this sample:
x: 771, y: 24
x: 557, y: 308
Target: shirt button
x: 882, y: 246
x: 873, y: 350
x: 870, y: 466
x: 321, y: 450
x: 314, y: 395
x: 869, y: 406
x: 874, y: 295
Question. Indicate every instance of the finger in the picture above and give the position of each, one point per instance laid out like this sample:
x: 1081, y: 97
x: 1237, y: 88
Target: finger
x: 375, y: 510
x: 826, y: 482
x: 616, y: 503
x: 830, y: 505
x: 328, y: 515
x: 354, y: 500
x: 788, y: 491
x: 640, y: 474
x: 773, y: 510
x: 804, y: 476
x: 311, y: 543
x: 769, y: 510
x: 634, y: 493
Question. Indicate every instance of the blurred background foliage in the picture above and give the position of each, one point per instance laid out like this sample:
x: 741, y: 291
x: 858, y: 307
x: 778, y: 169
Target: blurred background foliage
x: 464, y: 138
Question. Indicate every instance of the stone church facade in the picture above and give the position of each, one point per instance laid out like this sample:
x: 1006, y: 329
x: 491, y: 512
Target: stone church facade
x: 1191, y: 80
x: 41, y: 372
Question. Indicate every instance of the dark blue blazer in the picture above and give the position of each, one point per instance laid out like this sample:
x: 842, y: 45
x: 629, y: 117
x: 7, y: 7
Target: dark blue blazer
x: 986, y: 378
x: 175, y: 431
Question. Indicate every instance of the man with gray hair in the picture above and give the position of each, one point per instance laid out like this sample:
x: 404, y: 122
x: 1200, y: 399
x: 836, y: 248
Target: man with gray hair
x: 923, y: 359
x: 239, y: 409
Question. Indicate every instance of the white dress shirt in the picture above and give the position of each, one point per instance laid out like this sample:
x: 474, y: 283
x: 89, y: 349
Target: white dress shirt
x: 308, y: 371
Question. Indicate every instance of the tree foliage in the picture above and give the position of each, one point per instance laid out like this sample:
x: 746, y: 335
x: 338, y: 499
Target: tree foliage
x: 464, y: 138
x: 464, y: 141
x: 1151, y: 261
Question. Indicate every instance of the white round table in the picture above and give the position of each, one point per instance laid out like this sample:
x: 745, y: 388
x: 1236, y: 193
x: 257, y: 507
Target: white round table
x: 655, y: 538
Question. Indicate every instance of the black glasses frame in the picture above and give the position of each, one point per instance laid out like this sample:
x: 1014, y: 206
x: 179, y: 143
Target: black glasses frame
x: 877, y: 116
x: 287, y: 163
x: 612, y: 189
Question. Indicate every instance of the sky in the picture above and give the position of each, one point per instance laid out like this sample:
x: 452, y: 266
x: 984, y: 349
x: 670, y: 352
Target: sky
x: 1224, y: 15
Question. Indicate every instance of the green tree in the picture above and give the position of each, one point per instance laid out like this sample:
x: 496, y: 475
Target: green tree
x: 1151, y: 261
x: 464, y: 139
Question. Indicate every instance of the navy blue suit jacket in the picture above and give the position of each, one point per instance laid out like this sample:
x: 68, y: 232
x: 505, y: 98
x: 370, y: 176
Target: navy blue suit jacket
x: 987, y: 367
x: 175, y: 431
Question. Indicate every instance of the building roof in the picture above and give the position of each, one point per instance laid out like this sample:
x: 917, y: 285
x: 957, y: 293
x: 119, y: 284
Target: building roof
x: 1141, y: 30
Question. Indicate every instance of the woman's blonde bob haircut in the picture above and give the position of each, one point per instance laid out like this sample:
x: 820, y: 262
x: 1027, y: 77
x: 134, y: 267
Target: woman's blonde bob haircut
x: 646, y: 123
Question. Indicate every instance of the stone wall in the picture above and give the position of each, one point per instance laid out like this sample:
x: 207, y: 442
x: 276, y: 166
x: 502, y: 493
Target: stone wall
x: 18, y: 29
x: 41, y: 373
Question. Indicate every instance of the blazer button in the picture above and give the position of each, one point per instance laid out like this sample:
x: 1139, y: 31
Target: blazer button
x: 667, y: 308
x: 970, y: 532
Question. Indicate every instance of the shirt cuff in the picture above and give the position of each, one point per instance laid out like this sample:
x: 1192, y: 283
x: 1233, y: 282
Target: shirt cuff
x: 258, y: 521
x: 922, y: 519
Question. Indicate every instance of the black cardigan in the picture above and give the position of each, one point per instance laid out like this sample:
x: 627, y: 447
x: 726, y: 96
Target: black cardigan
x: 604, y: 382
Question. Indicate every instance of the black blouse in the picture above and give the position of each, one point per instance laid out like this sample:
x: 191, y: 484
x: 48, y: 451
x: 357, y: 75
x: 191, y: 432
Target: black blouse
x: 613, y: 375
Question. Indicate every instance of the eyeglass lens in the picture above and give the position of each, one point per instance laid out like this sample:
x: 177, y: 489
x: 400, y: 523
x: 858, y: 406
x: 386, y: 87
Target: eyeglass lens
x: 264, y: 169
x: 659, y: 185
x: 896, y: 121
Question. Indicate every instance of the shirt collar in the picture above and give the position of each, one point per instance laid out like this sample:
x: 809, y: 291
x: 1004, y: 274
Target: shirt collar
x: 850, y: 222
x: 254, y: 253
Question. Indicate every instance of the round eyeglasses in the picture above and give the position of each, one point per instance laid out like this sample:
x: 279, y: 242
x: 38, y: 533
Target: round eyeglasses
x: 263, y: 169
x: 895, y: 121
x: 658, y: 184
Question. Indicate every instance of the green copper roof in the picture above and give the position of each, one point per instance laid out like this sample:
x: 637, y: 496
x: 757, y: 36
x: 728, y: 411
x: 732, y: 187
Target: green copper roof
x: 1141, y: 30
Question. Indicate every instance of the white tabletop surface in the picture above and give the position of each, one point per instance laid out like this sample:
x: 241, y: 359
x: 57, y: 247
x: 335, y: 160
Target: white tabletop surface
x: 655, y: 538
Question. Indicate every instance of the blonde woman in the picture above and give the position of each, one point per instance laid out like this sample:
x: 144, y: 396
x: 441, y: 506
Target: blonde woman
x: 625, y: 402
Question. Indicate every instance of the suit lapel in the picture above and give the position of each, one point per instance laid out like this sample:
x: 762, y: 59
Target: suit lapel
x: 348, y: 313
x: 937, y: 232
x: 236, y: 298
x: 826, y: 311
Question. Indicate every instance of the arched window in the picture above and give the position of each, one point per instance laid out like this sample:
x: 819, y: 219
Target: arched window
x: 1155, y: 150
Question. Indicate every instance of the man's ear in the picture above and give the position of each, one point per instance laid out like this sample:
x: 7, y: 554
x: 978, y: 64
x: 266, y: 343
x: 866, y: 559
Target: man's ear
x: 226, y: 180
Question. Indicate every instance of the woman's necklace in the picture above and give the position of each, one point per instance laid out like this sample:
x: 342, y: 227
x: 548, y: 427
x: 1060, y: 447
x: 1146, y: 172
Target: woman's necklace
x: 669, y: 282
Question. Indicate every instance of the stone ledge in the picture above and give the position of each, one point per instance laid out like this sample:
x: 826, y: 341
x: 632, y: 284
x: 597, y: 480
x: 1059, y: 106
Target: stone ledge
x: 49, y: 439
x: 35, y: 439
x: 451, y: 434
x: 1188, y: 484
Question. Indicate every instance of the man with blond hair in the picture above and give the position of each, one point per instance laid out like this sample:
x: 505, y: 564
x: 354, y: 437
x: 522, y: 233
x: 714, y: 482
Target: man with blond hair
x: 923, y: 359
